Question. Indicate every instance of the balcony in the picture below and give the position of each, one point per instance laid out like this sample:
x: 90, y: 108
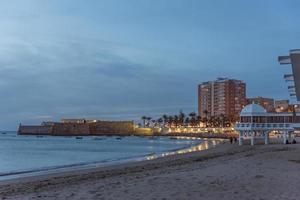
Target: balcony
x: 284, y: 60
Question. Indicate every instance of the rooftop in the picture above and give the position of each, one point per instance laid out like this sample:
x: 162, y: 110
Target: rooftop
x: 252, y: 109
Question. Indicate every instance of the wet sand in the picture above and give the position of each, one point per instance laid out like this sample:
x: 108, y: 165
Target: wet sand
x: 225, y: 172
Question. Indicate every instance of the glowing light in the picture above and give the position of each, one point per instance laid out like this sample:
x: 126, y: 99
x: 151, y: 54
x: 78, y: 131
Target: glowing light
x: 204, y: 145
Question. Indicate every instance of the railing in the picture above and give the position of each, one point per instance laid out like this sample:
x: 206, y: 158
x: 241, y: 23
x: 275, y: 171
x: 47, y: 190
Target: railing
x: 264, y: 125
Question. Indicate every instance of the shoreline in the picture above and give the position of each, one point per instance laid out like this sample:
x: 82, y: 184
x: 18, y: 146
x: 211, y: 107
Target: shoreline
x: 227, y: 171
x: 197, y: 135
x: 204, y: 144
x: 16, y: 185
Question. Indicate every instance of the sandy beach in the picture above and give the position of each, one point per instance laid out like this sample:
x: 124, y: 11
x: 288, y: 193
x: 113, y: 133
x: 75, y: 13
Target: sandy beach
x: 225, y: 172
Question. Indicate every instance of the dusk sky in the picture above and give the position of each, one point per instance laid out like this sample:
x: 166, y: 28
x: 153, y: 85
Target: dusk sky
x: 119, y: 59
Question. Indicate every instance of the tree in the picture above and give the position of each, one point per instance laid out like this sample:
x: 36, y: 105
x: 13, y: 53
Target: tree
x: 159, y: 121
x: 165, y: 118
x: 205, y: 121
x: 176, y: 120
x: 187, y: 121
x: 153, y: 122
x: 148, y: 120
x: 170, y: 120
x: 232, y: 119
x: 222, y: 120
x: 181, y: 118
x: 218, y: 122
x: 206, y: 117
x: 144, y: 118
x: 212, y: 121
x: 193, y: 118
x: 198, y: 120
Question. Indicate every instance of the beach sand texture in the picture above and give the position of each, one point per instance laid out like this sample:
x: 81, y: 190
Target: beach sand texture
x: 225, y: 172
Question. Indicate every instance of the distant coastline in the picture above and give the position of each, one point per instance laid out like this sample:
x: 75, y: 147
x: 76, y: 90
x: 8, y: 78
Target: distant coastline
x: 83, y: 127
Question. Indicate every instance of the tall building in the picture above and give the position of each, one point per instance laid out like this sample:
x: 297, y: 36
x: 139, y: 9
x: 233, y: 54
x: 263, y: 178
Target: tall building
x: 222, y: 97
x: 293, y: 79
x: 267, y: 103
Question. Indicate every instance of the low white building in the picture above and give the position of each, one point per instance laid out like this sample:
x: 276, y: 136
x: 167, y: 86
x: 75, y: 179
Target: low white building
x: 256, y: 123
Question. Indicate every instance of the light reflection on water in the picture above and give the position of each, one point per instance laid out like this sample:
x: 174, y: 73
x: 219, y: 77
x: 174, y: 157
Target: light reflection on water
x: 206, y: 144
x: 22, y: 156
x: 31, y: 153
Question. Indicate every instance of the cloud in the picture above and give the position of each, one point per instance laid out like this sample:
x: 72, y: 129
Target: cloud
x: 75, y: 78
x: 60, y: 58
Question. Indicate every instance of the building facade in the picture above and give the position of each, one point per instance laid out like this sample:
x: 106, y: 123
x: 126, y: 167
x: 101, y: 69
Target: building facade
x: 281, y: 105
x: 223, y: 97
x: 267, y: 103
x: 293, y: 79
x: 256, y: 123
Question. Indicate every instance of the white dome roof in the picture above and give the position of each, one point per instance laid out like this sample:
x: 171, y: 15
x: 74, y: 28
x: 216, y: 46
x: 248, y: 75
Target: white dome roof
x: 253, y: 109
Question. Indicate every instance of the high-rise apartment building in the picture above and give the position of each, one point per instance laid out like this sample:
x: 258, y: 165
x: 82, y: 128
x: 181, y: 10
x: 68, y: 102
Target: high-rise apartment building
x: 223, y: 97
x: 293, y: 79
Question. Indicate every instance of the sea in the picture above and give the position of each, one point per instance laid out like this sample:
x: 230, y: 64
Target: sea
x: 32, y: 155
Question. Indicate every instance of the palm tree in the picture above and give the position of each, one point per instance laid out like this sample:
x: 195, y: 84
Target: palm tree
x: 148, y: 120
x: 198, y: 120
x: 144, y: 120
x: 153, y: 122
x: 232, y: 119
x: 187, y: 121
x: 181, y: 118
x: 212, y: 121
x: 218, y: 122
x: 165, y: 118
x: 222, y: 120
x: 206, y: 118
x: 159, y: 121
x: 193, y: 118
x: 176, y: 120
x: 206, y: 113
x: 170, y: 120
x: 205, y: 121
x: 227, y: 122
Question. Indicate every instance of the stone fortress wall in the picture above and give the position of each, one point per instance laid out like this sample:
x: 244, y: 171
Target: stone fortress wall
x: 110, y: 127
x: 70, y: 129
x: 76, y: 127
x: 35, y: 130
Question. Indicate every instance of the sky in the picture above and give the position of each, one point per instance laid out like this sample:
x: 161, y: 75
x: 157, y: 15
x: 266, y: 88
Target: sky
x: 115, y: 59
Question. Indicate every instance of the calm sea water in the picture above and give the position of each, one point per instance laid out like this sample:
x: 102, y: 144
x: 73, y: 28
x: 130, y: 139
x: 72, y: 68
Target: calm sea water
x: 20, y: 154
